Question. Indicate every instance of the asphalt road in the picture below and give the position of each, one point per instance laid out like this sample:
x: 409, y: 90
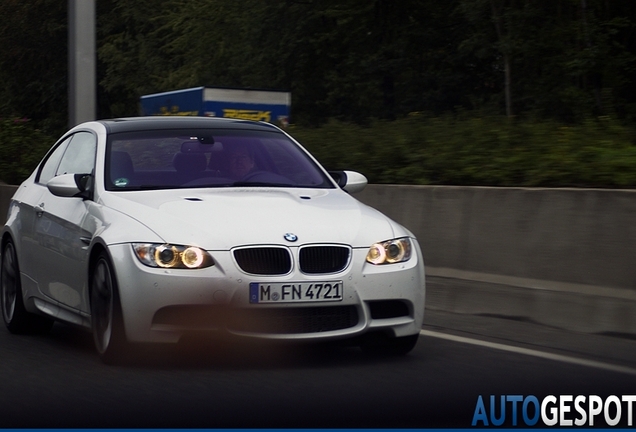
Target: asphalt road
x: 57, y: 380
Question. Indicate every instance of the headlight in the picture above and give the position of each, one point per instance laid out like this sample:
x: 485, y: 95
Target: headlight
x: 389, y: 252
x: 172, y: 256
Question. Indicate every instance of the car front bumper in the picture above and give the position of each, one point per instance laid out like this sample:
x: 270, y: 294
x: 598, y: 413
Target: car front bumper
x: 161, y: 305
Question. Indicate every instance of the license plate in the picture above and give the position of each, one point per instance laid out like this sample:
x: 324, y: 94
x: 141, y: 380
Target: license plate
x: 292, y: 292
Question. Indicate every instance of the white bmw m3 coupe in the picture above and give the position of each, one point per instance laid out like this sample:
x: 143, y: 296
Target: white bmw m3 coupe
x: 151, y: 229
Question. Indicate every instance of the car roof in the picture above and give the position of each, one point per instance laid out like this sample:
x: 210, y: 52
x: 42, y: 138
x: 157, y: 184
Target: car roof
x: 130, y: 124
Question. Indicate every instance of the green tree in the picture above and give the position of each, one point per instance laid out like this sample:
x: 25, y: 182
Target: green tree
x: 559, y: 59
x: 129, y: 50
x: 33, y: 61
x: 22, y: 146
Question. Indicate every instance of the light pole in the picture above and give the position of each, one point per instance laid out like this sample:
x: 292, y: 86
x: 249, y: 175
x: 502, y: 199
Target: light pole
x: 82, y: 69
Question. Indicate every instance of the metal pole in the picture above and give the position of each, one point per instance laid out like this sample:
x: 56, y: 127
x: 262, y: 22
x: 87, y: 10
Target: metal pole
x: 82, y: 69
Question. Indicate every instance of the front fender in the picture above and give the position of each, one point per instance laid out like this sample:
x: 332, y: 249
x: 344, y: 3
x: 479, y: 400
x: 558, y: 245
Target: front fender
x: 111, y: 227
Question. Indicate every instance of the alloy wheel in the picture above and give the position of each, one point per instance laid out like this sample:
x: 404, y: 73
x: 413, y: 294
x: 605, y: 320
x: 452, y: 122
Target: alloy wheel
x: 102, y: 302
x: 9, y: 283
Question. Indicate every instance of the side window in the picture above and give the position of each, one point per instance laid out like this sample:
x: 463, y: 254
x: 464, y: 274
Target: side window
x: 47, y: 172
x: 79, y: 157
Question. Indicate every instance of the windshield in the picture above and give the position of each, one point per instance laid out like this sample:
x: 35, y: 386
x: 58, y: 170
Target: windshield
x: 170, y: 159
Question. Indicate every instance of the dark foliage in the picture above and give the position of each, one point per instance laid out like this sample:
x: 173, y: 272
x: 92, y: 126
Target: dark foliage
x: 549, y: 66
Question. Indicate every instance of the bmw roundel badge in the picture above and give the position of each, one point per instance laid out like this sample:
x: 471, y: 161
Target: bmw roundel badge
x: 291, y: 237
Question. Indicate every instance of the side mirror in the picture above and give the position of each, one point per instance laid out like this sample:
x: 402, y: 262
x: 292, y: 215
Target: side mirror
x: 350, y: 181
x: 70, y: 185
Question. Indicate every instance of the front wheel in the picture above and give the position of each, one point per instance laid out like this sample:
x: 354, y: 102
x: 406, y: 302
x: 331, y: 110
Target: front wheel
x: 380, y: 344
x: 106, y: 317
x: 14, y: 314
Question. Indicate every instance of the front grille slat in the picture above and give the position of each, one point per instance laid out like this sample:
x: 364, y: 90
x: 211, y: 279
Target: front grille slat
x: 324, y: 259
x: 264, y: 260
x: 271, y: 261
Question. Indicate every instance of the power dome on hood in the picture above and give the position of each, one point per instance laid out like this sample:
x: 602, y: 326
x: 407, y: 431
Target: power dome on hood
x: 220, y: 219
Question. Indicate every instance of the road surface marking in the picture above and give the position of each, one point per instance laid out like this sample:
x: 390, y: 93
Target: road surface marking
x: 531, y: 352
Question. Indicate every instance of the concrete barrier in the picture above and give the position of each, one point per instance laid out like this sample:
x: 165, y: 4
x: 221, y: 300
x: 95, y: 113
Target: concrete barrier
x: 562, y: 257
x: 567, y: 237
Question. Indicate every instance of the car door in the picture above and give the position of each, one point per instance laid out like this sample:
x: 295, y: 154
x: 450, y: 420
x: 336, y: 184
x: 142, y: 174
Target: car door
x: 59, y: 227
x: 29, y: 198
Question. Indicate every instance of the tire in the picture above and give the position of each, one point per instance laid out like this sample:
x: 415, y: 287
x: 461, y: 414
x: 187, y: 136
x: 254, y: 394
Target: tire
x: 380, y: 344
x: 106, y: 317
x: 14, y: 314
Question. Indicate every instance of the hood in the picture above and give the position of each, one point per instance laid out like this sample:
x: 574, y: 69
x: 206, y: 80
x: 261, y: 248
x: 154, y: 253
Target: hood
x: 220, y: 219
